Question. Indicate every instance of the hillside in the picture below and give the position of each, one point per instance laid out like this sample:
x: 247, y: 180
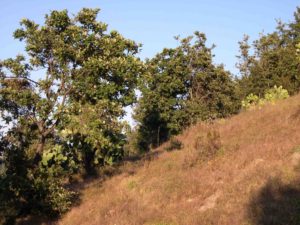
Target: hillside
x: 242, y: 170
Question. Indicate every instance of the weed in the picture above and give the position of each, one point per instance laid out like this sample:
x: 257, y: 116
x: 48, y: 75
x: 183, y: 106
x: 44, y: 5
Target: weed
x: 208, y: 145
x: 296, y: 149
x: 162, y: 223
x: 132, y: 184
x: 174, y: 144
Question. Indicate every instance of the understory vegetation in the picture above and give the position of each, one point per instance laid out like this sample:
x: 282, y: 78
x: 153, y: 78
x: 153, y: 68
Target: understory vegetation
x: 68, y: 122
x: 270, y: 96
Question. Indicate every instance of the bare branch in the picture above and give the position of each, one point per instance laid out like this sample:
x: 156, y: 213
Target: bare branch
x: 22, y: 78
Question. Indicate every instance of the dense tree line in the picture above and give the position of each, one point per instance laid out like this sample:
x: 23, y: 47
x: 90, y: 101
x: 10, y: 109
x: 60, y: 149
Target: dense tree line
x: 182, y: 86
x: 271, y: 60
x: 68, y: 121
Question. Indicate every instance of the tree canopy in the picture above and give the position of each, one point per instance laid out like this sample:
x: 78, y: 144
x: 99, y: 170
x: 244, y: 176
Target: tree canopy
x: 68, y: 118
x: 181, y: 86
x: 274, y: 60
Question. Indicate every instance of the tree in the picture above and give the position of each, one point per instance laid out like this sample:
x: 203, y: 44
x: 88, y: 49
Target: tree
x: 273, y: 62
x: 70, y: 115
x: 181, y: 86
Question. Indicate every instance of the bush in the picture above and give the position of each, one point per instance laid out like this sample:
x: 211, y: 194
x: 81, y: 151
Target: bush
x: 250, y: 101
x: 174, y: 144
x: 270, y: 96
x: 35, y: 190
x: 42, y: 195
x: 276, y: 93
x: 208, y: 145
x: 52, y: 198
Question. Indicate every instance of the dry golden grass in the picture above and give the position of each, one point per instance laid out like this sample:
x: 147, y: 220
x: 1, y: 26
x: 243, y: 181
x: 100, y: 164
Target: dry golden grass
x: 252, y: 178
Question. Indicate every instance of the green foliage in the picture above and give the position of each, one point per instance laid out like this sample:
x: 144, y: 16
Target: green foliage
x: 276, y: 93
x: 174, y: 144
x: 24, y: 189
x: 270, y: 96
x: 42, y: 196
x: 131, y: 147
x: 69, y: 119
x: 250, y: 101
x: 180, y: 87
x: 274, y: 60
x: 58, y: 161
x: 54, y: 199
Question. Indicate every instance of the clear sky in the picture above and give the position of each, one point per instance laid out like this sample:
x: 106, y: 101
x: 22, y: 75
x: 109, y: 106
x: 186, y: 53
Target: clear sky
x: 155, y: 23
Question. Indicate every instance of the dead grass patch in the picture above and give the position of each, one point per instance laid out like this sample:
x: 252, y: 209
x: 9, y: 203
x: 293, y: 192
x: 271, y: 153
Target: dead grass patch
x: 253, y: 182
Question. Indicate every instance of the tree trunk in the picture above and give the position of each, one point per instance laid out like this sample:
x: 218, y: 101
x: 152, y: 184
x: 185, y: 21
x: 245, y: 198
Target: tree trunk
x: 158, y: 133
x: 40, y: 149
x: 89, y: 166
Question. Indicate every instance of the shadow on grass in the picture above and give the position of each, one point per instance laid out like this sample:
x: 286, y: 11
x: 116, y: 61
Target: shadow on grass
x: 149, y: 156
x: 107, y: 172
x: 28, y: 218
x: 276, y: 204
x: 36, y: 220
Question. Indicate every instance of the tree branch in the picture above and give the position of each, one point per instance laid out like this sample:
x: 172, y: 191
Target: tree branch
x: 23, y: 78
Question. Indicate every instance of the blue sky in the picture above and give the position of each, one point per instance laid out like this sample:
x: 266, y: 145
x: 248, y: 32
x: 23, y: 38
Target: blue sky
x: 155, y: 23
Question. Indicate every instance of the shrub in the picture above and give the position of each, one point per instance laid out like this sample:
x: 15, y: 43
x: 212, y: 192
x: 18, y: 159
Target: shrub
x: 58, y: 161
x: 270, y: 96
x: 132, y: 184
x: 250, y: 101
x: 276, y: 93
x: 53, y: 199
x: 174, y: 144
x: 32, y: 190
x: 42, y: 195
x: 296, y: 149
x: 208, y: 145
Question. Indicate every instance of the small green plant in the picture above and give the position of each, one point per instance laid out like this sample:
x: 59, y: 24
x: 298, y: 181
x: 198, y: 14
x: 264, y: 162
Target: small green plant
x: 174, y: 144
x: 276, y: 93
x: 270, y: 96
x: 250, y: 101
x: 296, y: 149
x: 132, y: 184
x: 208, y: 145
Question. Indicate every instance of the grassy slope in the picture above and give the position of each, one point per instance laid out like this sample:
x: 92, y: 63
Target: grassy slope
x: 253, y: 179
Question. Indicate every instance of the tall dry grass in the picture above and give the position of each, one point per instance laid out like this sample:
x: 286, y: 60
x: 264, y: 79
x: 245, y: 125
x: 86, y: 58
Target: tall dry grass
x: 224, y: 174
